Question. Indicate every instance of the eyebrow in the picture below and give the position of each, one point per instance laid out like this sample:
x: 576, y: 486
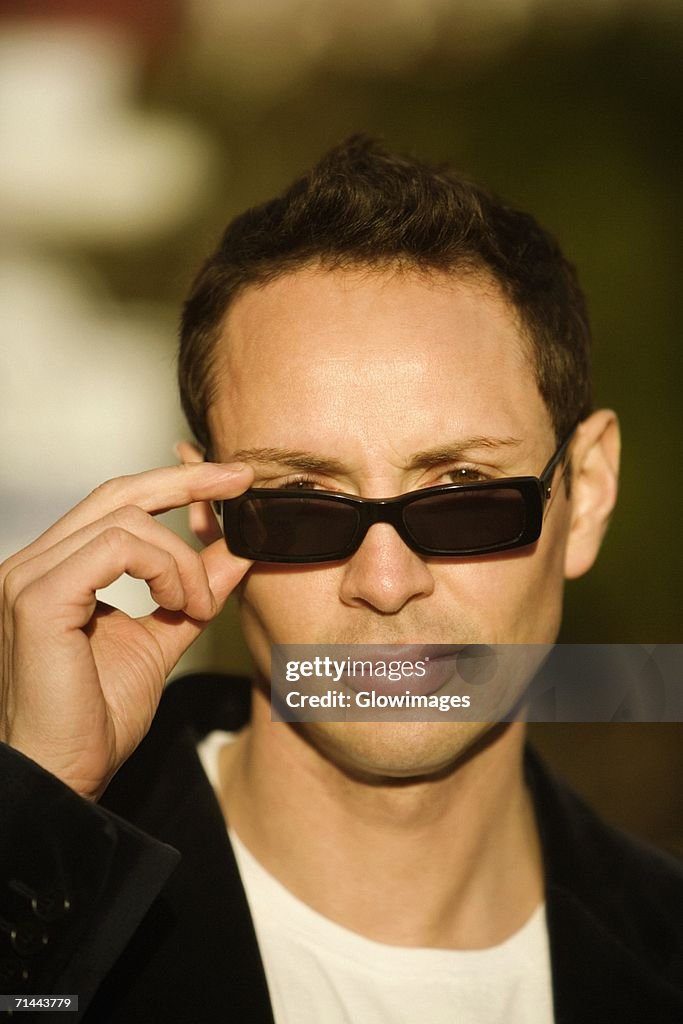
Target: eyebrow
x: 457, y: 450
x: 437, y: 456
x: 290, y: 457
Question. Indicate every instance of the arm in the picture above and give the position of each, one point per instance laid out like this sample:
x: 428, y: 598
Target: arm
x: 79, y: 685
x: 75, y: 882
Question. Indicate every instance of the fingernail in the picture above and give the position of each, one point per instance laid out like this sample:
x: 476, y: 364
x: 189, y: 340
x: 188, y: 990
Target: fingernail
x: 231, y: 468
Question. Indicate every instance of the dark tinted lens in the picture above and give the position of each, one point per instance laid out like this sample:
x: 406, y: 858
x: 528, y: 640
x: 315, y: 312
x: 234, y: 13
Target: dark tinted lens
x: 297, y: 527
x: 463, y: 521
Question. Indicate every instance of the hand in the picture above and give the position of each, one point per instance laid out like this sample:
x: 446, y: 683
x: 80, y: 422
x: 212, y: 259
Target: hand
x: 80, y: 681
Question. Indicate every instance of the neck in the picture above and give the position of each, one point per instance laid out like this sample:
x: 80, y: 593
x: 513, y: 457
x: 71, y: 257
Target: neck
x: 450, y: 861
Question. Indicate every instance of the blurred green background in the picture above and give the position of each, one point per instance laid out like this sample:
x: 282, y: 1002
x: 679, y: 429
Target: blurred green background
x: 571, y: 111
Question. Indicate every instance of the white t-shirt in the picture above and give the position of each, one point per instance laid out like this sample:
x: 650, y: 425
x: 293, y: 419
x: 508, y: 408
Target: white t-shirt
x: 321, y: 973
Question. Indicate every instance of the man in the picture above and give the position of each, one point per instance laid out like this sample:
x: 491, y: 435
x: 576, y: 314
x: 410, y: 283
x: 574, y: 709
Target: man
x: 381, y: 329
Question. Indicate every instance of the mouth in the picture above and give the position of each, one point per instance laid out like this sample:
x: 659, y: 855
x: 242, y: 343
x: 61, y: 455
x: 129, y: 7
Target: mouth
x: 424, y: 668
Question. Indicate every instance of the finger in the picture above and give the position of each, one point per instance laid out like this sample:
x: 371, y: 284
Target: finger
x: 175, y: 633
x: 64, y: 598
x: 223, y: 569
x: 200, y: 602
x: 154, y: 491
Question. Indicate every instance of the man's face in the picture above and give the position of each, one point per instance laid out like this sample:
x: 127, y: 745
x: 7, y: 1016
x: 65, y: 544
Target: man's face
x: 383, y: 382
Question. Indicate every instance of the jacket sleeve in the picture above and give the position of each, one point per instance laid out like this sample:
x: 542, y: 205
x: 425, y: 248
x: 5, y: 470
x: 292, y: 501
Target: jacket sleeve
x: 75, y: 882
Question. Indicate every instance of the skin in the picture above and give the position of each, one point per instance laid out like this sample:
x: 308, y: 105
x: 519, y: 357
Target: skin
x: 368, y: 368
x: 365, y: 369
x: 80, y: 681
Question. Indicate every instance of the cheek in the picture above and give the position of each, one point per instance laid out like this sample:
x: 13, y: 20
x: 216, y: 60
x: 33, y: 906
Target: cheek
x: 515, y: 598
x: 521, y: 593
x: 286, y: 605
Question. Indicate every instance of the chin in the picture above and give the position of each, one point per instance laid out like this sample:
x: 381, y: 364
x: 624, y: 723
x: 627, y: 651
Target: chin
x: 410, y: 751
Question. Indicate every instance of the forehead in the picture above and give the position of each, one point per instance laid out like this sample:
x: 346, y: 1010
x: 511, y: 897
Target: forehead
x: 361, y: 358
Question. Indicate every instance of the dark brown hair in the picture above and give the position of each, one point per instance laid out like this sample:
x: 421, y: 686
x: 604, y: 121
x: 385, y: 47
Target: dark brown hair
x: 364, y: 206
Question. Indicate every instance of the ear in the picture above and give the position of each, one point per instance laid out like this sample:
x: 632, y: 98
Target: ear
x: 594, y: 480
x: 202, y: 517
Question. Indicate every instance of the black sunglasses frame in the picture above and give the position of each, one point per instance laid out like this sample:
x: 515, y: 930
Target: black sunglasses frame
x: 536, y: 492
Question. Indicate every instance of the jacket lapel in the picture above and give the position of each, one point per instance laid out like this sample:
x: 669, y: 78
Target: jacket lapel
x: 609, y: 941
x: 195, y: 957
x: 596, y: 980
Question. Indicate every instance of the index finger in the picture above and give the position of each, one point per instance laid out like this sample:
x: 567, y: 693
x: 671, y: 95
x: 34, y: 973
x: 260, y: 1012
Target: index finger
x: 154, y: 491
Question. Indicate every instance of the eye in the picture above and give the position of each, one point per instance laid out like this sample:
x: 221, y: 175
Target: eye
x: 466, y: 475
x: 302, y: 483
x: 294, y: 482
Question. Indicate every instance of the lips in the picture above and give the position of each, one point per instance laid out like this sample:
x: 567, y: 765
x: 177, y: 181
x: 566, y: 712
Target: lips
x: 433, y: 665
x: 413, y: 652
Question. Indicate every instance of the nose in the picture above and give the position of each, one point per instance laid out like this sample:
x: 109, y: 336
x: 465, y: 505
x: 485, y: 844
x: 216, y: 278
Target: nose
x: 384, y: 573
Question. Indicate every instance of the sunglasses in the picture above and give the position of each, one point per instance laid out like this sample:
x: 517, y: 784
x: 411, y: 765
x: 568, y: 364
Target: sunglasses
x: 270, y: 525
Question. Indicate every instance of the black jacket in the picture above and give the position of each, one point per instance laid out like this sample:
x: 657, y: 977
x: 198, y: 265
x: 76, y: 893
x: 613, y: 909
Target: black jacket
x: 136, y: 904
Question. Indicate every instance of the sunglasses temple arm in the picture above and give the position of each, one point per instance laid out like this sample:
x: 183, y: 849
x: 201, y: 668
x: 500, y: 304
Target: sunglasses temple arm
x: 549, y: 471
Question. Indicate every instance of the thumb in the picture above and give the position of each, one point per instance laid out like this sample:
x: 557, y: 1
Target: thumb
x: 224, y: 570
x: 174, y: 632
